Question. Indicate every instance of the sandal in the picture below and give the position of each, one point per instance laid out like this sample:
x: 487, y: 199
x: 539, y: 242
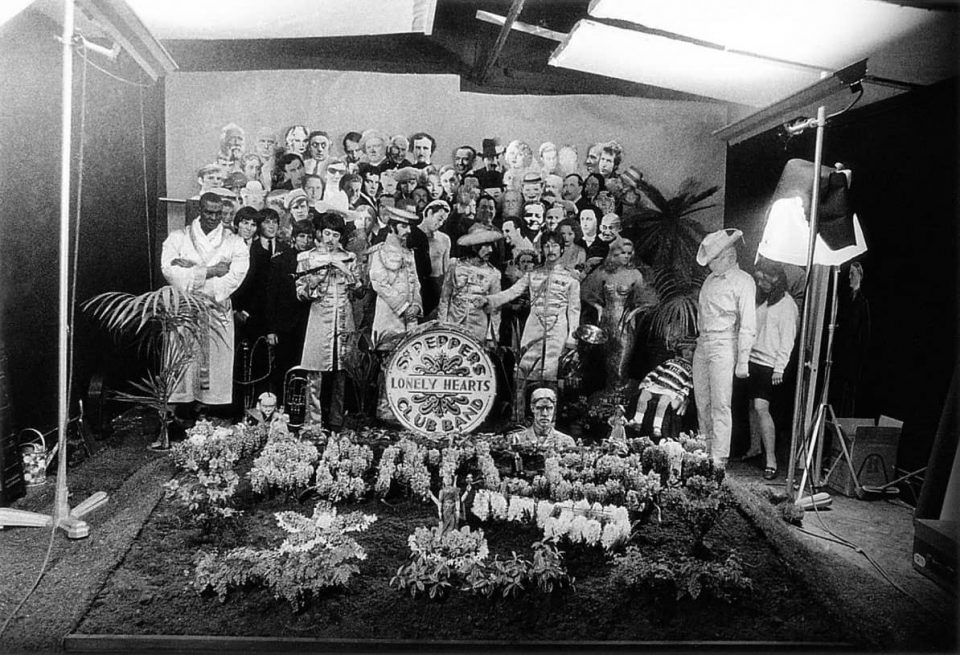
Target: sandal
x: 769, y: 473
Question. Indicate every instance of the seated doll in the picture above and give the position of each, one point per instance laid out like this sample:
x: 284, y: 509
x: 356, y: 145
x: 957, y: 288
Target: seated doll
x: 264, y: 412
x: 670, y: 385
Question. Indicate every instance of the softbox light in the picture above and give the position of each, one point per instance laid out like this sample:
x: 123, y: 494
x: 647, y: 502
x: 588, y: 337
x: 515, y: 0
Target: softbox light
x: 786, y: 234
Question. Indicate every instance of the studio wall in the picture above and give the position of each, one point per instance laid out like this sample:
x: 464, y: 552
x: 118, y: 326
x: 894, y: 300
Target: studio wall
x: 668, y: 140
x: 115, y: 225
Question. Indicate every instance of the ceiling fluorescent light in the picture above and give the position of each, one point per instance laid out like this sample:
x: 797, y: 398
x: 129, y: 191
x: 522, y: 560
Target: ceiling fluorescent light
x: 823, y: 33
x: 654, y: 60
x: 11, y: 8
x: 788, y: 107
x: 284, y: 19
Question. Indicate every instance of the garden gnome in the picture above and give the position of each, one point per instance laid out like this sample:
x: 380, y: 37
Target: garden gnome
x: 727, y: 324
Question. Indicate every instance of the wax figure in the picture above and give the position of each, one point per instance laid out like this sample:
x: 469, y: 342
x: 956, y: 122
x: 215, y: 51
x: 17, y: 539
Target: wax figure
x: 468, y: 283
x: 543, y: 433
x: 328, y: 281
x: 374, y: 146
x: 286, y: 315
x: 250, y: 299
x: 549, y: 158
x: 245, y: 224
x: 727, y: 323
x: 668, y: 386
x: 232, y: 138
x: 620, y: 290
x: 777, y: 319
x: 438, y: 247
x: 422, y: 147
x: 393, y: 277
x: 555, y: 312
x: 317, y: 153
x: 206, y: 258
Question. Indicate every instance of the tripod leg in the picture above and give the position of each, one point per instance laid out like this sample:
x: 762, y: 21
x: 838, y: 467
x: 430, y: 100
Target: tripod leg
x: 846, y: 455
x: 811, y: 448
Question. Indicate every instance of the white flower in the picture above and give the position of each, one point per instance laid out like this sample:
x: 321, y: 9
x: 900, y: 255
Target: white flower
x: 197, y: 439
x: 544, y: 510
x: 498, y: 505
x: 481, y: 505
x: 591, y: 531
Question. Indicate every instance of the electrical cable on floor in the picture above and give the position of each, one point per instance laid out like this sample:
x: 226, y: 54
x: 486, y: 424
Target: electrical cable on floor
x: 859, y: 550
x: 36, y: 583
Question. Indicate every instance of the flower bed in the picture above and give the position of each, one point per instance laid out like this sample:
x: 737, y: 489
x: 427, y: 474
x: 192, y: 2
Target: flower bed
x: 526, y: 566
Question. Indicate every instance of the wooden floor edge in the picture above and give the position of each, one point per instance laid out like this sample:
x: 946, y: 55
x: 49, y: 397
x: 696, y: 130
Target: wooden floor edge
x: 102, y: 643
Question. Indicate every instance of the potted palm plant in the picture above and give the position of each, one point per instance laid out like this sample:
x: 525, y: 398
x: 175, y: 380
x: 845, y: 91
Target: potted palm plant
x: 668, y: 236
x: 168, y: 326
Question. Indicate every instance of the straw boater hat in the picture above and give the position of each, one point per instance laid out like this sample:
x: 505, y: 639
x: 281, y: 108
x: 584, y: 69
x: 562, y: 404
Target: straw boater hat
x: 532, y: 177
x: 402, y: 216
x: 715, y: 243
x: 479, y: 237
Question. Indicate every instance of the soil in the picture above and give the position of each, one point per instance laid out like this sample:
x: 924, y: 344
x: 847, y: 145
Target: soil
x: 151, y: 591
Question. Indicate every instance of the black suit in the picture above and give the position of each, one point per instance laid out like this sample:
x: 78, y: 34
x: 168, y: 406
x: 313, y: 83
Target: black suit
x: 286, y: 316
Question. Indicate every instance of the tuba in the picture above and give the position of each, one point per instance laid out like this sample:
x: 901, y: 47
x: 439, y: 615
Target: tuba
x: 296, y: 390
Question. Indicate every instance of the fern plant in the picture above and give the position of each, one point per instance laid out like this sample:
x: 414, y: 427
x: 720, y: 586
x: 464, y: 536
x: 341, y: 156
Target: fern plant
x: 318, y: 553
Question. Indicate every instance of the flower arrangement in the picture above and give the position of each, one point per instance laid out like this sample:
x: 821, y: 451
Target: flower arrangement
x: 675, y: 577
x: 442, y: 561
x: 578, y: 521
x: 285, y: 464
x: 591, y: 524
x: 206, y: 459
x: 341, y: 469
x: 317, y: 553
x: 488, y: 468
x: 699, y: 503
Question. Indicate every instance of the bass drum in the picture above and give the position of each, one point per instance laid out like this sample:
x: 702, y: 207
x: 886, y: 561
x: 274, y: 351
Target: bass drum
x: 440, y: 381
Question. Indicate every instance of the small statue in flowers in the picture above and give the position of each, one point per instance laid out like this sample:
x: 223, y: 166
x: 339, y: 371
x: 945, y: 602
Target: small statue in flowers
x: 448, y: 504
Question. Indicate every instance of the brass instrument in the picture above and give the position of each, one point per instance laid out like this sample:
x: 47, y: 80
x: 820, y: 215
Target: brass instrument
x: 296, y: 391
x: 248, y: 352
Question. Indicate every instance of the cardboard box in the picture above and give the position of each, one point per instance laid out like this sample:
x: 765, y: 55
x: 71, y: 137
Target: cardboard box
x: 935, y: 551
x: 873, y: 452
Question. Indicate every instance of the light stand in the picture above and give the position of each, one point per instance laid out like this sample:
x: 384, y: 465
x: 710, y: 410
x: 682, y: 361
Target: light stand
x: 847, y: 78
x: 63, y: 518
